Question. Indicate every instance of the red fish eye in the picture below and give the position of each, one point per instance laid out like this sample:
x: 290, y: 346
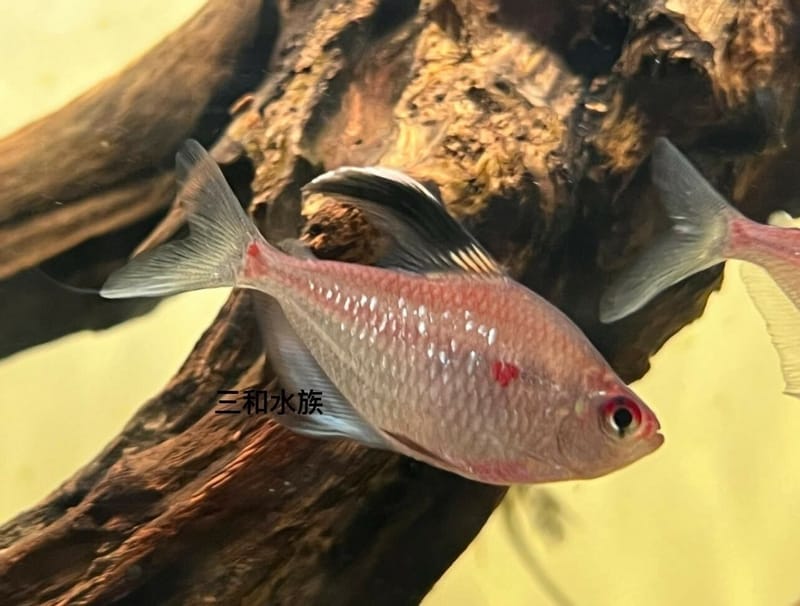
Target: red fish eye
x: 622, y: 415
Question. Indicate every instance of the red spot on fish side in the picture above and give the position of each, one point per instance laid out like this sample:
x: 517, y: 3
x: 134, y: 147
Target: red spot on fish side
x: 252, y: 249
x: 504, y: 372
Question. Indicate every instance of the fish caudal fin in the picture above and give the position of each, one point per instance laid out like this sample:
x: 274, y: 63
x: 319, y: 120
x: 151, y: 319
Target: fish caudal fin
x: 696, y: 241
x: 782, y: 318
x: 219, y: 232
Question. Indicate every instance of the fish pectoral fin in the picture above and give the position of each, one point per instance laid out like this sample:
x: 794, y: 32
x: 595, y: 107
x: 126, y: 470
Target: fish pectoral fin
x: 298, y: 371
x: 782, y: 318
x: 426, y: 239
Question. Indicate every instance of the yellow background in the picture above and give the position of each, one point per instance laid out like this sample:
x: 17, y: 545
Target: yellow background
x: 712, y: 518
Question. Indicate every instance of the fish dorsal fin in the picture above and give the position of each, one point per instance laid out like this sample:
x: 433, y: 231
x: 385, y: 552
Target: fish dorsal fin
x: 782, y: 318
x: 426, y: 238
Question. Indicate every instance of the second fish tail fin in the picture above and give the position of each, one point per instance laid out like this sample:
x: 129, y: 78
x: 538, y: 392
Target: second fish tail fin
x: 696, y: 241
x: 219, y: 233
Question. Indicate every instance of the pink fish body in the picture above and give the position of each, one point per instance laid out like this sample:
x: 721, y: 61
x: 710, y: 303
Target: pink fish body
x: 437, y: 355
x: 706, y: 231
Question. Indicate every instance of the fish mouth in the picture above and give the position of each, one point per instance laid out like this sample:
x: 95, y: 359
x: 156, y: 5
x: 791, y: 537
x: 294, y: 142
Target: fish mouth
x: 653, y: 437
x: 650, y: 433
x: 650, y: 429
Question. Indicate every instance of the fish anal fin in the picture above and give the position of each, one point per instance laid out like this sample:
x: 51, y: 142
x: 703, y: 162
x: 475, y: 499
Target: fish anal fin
x: 298, y: 370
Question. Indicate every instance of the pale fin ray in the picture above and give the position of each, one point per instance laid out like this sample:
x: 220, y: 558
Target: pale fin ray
x: 219, y: 231
x: 696, y: 241
x: 786, y: 276
x: 298, y: 370
x: 782, y: 318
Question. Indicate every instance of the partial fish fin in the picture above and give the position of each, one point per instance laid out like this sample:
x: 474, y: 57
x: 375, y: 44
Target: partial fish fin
x: 426, y: 238
x: 786, y: 276
x: 696, y: 241
x: 783, y: 272
x: 782, y: 318
x: 780, y: 218
x: 298, y: 370
x: 296, y: 248
x: 76, y: 289
x: 219, y: 232
x: 412, y: 449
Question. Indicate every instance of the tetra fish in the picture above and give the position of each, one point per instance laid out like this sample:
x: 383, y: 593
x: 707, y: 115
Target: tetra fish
x: 434, y: 353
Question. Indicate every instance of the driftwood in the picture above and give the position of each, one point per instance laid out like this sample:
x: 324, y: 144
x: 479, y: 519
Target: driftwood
x: 531, y: 120
x: 84, y: 180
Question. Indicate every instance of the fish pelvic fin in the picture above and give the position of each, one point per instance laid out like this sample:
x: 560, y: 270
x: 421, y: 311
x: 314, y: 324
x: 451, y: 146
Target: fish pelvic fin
x: 219, y: 233
x: 299, y: 372
x: 782, y: 318
x: 696, y: 240
x: 426, y: 238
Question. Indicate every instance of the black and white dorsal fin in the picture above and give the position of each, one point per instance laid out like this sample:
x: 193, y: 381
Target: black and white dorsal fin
x: 426, y: 238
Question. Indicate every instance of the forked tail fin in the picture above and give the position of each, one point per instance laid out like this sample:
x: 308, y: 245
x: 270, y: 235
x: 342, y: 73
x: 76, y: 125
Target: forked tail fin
x: 219, y: 232
x: 696, y: 241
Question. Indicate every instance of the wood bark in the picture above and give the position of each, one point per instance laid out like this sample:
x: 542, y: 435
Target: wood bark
x: 532, y: 120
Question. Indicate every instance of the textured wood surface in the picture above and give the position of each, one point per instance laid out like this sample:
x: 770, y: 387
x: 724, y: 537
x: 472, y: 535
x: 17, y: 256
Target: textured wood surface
x: 531, y: 120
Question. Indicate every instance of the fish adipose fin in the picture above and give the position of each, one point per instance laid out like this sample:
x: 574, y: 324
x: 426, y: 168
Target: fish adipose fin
x: 782, y: 318
x: 426, y: 238
x: 696, y: 241
x: 219, y: 232
x: 298, y: 370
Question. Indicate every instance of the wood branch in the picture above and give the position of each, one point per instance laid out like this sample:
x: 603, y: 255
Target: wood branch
x: 104, y: 162
x: 720, y: 81
x: 532, y: 121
